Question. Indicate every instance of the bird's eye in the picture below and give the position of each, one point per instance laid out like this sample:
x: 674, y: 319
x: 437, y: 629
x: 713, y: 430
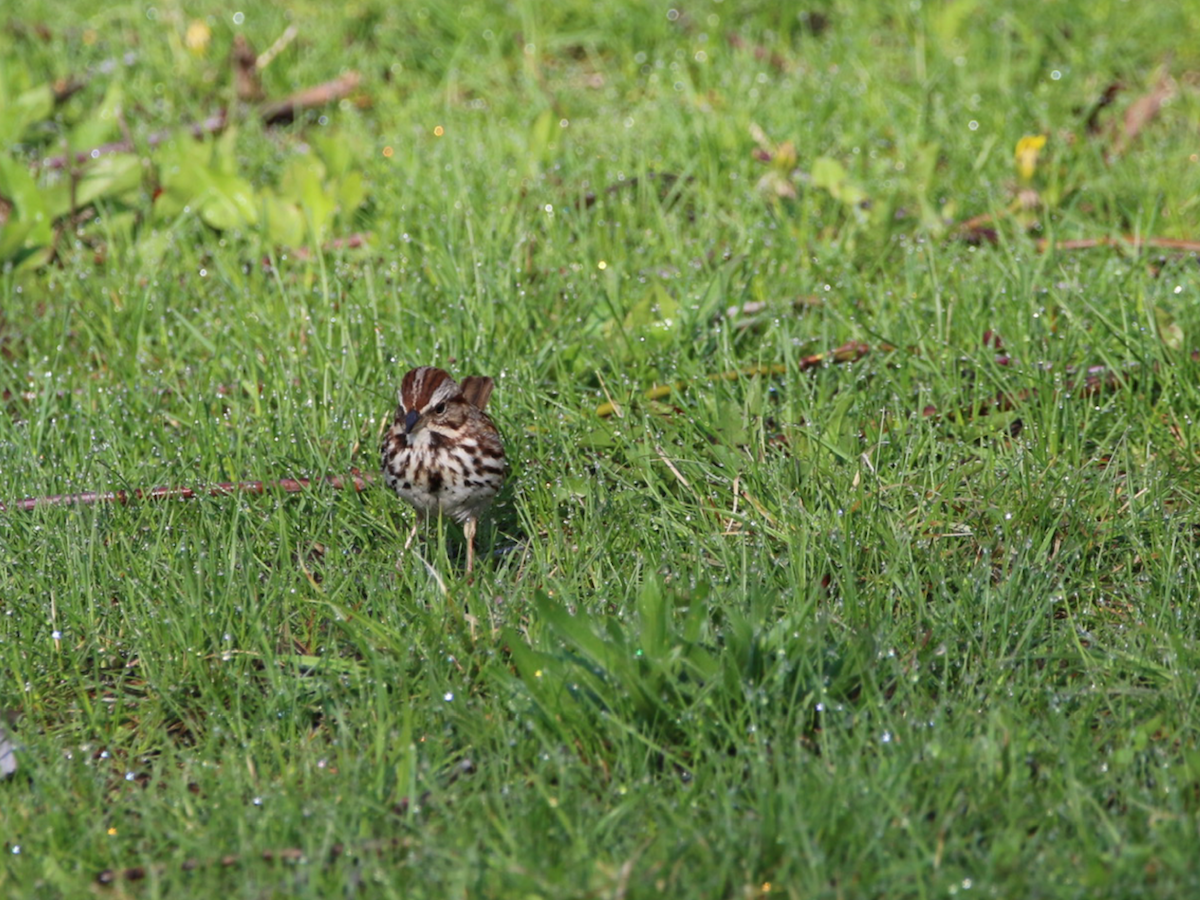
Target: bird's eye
x: 440, y: 408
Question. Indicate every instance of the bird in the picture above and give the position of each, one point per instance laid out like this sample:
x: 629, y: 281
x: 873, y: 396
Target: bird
x: 443, y: 454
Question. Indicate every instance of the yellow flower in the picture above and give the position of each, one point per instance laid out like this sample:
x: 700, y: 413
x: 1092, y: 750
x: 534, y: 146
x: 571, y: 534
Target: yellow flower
x: 1027, y: 152
x: 197, y: 37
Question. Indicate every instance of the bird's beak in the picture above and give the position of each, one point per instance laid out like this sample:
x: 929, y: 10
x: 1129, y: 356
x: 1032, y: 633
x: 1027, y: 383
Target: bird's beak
x: 410, y: 421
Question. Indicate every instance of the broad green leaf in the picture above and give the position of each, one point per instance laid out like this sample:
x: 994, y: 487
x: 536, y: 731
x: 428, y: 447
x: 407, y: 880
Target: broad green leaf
x: 948, y: 20
x: 541, y: 134
x: 107, y: 178
x: 831, y: 175
x: 13, y: 239
x: 571, y: 487
x: 284, y: 222
x: 223, y: 201
x: 101, y: 125
x: 30, y: 257
x: 228, y: 203
x: 351, y: 194
x: 335, y: 152
x: 653, y: 617
x: 576, y: 630
x: 184, y: 175
x: 29, y: 211
x: 26, y: 108
x: 224, y: 152
x: 304, y: 183
x: 537, y: 672
x: 656, y: 306
x: 598, y: 437
x: 26, y: 239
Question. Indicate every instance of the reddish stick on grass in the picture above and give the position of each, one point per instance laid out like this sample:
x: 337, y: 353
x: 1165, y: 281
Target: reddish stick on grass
x: 222, y: 489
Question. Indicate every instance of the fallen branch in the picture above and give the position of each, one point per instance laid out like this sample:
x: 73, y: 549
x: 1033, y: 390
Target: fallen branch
x: 66, y: 88
x: 264, y: 59
x: 280, y: 112
x: 1141, y: 113
x: 666, y: 181
x: 288, y: 485
x: 246, y: 83
x: 979, y: 230
x: 1126, y: 240
x: 283, y: 111
x: 1091, y: 123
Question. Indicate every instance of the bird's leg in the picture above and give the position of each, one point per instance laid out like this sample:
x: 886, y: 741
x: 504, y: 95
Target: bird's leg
x: 469, y: 533
x: 408, y: 543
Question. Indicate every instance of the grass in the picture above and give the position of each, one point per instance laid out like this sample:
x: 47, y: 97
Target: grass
x: 783, y: 635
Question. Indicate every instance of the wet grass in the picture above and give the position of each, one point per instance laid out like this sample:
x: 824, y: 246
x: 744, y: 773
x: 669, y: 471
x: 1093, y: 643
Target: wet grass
x: 829, y: 633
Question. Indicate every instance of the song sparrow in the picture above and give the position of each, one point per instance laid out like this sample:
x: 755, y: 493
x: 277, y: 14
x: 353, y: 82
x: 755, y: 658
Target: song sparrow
x: 442, y: 453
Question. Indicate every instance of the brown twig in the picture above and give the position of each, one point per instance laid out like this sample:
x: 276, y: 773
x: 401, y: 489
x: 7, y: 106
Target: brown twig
x: 1091, y: 123
x: 1141, y: 113
x: 276, y: 113
x: 283, y: 111
x: 246, y: 83
x: 980, y: 230
x: 665, y: 180
x: 357, y: 481
x: 281, y: 43
x: 1125, y: 240
x: 66, y: 88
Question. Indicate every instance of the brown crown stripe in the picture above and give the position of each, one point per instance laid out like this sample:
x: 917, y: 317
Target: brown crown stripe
x: 420, y: 385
